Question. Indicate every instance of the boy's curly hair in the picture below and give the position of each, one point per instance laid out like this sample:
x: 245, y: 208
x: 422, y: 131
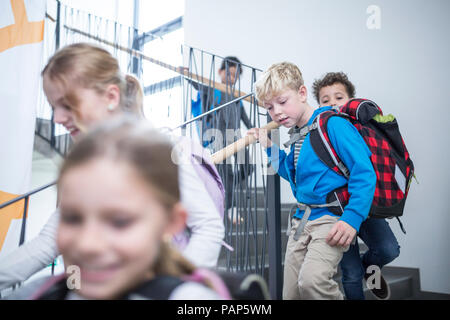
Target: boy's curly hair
x: 331, y: 78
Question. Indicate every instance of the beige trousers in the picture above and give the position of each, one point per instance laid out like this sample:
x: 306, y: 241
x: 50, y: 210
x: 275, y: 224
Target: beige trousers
x: 310, y: 263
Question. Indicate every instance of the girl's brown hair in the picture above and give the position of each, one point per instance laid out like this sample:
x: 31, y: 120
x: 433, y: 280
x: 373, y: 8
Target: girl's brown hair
x: 93, y: 67
x: 150, y: 154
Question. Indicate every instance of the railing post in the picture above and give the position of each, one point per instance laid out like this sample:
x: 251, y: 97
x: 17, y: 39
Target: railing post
x: 136, y: 63
x: 58, y: 25
x: 24, y: 222
x: 274, y: 228
x: 57, y: 44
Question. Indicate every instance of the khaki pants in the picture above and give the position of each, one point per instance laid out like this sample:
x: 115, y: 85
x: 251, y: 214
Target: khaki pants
x: 311, y: 263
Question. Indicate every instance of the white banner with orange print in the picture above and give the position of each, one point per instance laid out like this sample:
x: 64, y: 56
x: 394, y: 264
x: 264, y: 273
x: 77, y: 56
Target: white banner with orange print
x: 21, y: 48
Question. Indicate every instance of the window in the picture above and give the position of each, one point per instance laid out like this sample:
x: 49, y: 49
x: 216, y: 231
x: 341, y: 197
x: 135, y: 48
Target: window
x: 163, y: 104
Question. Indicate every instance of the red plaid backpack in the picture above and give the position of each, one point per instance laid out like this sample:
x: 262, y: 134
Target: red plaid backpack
x: 390, y: 158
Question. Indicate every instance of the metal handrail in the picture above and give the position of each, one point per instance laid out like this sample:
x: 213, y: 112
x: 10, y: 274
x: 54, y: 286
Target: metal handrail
x: 212, y: 110
x: 26, y: 195
x: 221, y: 57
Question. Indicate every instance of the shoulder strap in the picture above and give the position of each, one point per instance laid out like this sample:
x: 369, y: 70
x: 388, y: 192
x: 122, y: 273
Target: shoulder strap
x: 159, y: 288
x: 322, y: 146
x: 245, y: 285
x: 296, y: 134
x: 201, y: 275
x: 54, y: 288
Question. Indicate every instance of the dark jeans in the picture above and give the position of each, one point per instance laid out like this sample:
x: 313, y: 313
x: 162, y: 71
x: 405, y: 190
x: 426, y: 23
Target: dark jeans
x: 234, y: 178
x: 383, y: 248
x: 226, y: 174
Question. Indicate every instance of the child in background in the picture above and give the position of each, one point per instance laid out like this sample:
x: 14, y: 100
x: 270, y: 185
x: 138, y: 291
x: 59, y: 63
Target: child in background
x: 227, y: 123
x: 119, y: 208
x: 335, y: 89
x: 318, y: 237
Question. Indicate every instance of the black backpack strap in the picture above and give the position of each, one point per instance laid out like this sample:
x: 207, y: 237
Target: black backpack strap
x: 340, y: 196
x: 401, y: 225
x: 159, y: 288
x: 245, y: 286
x: 53, y: 289
x: 323, y: 147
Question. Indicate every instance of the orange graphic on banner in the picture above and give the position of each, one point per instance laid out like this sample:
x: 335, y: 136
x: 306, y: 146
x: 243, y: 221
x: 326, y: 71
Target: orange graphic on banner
x: 7, y: 214
x: 22, y: 31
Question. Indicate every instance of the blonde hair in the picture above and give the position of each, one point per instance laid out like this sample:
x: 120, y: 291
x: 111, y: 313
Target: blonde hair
x: 278, y: 78
x: 93, y: 67
x: 149, y: 153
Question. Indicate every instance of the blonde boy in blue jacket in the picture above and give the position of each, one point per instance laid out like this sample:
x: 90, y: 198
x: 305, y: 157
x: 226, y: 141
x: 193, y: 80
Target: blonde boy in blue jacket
x: 318, y: 238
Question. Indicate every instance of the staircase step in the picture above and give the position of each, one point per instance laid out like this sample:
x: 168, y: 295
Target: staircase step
x: 403, y: 282
x: 251, y: 218
x: 426, y: 295
x: 247, y: 246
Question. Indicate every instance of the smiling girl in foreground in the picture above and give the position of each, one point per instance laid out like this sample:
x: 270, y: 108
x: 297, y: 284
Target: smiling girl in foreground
x: 120, y: 206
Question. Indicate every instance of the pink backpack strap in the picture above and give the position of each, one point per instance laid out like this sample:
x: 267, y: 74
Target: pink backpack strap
x: 201, y: 274
x: 47, y: 285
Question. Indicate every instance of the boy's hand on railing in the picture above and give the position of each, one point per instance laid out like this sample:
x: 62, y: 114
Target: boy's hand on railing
x: 261, y: 136
x: 341, y: 234
x: 183, y: 70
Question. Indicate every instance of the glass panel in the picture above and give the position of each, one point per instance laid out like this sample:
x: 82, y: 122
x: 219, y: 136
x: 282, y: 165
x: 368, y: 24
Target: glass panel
x: 167, y: 50
x: 164, y: 109
x: 154, y: 13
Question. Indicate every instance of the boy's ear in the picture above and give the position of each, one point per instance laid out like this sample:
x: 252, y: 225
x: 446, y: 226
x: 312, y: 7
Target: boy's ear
x: 177, y: 220
x: 303, y: 92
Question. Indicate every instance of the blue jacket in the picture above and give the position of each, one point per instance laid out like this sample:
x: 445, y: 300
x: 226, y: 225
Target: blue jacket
x: 316, y: 180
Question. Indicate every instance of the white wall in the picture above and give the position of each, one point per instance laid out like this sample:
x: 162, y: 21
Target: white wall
x: 403, y: 66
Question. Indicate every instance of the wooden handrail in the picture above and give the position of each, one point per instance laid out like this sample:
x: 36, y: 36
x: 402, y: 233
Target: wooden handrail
x: 240, y: 144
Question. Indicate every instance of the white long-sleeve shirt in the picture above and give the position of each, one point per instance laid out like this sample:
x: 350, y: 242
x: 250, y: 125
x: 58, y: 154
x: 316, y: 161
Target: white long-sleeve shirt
x: 204, y: 220
x: 203, y: 249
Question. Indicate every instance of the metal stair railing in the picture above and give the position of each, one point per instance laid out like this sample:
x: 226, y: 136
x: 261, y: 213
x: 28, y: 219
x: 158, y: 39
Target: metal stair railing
x: 25, y: 197
x: 250, y: 252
